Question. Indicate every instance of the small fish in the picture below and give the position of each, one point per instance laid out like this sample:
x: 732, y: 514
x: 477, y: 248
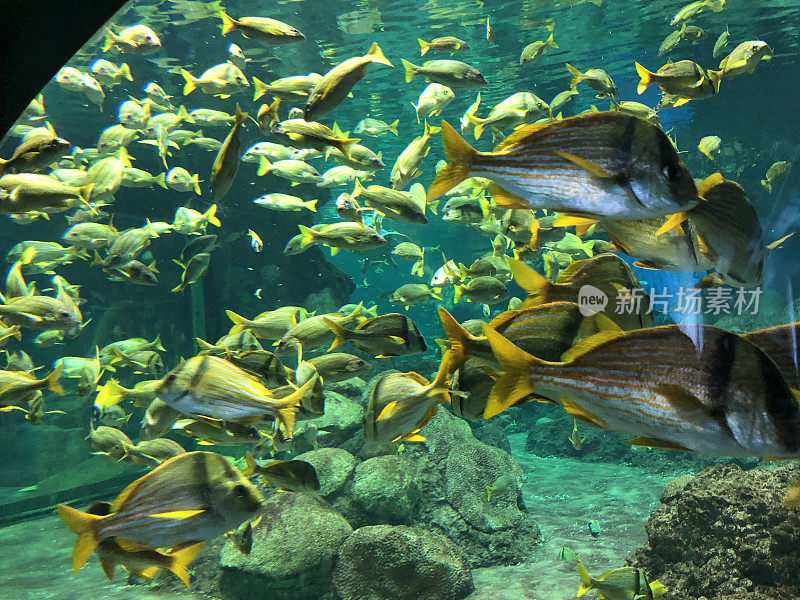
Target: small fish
x: 375, y: 127
x: 243, y: 536
x: 338, y: 236
x: 292, y: 89
x: 568, y: 556
x: 137, y: 39
x: 191, y: 498
x: 192, y: 270
x: 180, y: 180
x: 625, y: 583
x: 433, y: 100
x: 339, y: 366
x: 387, y: 335
x: 263, y: 29
x: 502, y: 486
x: 452, y: 73
x: 695, y: 8
x: 489, y: 31
x: 594, y: 528
x: 721, y: 42
x: 709, y: 145
x: 190, y: 222
x: 406, y: 167
x: 414, y: 293
x: 654, y: 183
x: 484, y: 289
x: 775, y: 172
x: 517, y: 109
x: 270, y: 325
x: 575, y: 438
x: 227, y: 161
x: 443, y: 44
x: 288, y: 475
x: 255, y: 241
x: 684, y: 78
x: 534, y: 50
x: 222, y: 80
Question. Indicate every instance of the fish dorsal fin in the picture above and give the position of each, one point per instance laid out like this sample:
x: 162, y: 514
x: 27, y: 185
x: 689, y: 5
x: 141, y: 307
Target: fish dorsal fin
x: 590, y: 343
x: 527, y: 277
x: 125, y: 494
x: 656, y: 443
x: 108, y: 568
x: 418, y: 378
x: 519, y: 135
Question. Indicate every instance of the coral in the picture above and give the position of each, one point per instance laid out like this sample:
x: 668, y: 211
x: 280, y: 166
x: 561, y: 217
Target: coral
x: 402, y: 563
x: 385, y: 491
x: 725, y: 534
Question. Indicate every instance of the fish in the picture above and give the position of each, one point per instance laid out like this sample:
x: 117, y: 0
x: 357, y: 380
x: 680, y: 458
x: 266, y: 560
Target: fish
x: 109, y: 441
x: 484, y: 289
x: 158, y: 420
x: 386, y: 335
x: 295, y: 171
x: 313, y: 333
x: 144, y: 563
x: 208, y: 386
x: 180, y: 180
x: 40, y: 313
x: 582, y: 155
x: 222, y: 80
x: 624, y: 583
x: 597, y: 79
x: 17, y: 385
x: 407, y: 207
x: 152, y: 452
x: 136, y: 39
x: 191, y: 222
x: 376, y: 127
x: 575, y: 438
x: 406, y: 167
x: 721, y: 42
x: 443, y: 44
x: 402, y: 403
x: 684, y: 78
x: 271, y: 325
x: 534, y: 50
x: 336, y: 84
x: 191, y: 498
x: 776, y: 171
x: 35, y: 153
x: 338, y: 236
x: 433, y: 100
x: 594, y: 528
x: 227, y: 161
x: 263, y: 29
x: 695, y: 8
x: 502, y: 486
x: 414, y: 293
x: 287, y: 475
x: 292, y: 89
x: 452, y: 73
x: 517, y: 109
x: 210, y: 432
x: 339, y: 366
x: 192, y: 270
x: 255, y: 241
x: 744, y: 59
x: 23, y: 192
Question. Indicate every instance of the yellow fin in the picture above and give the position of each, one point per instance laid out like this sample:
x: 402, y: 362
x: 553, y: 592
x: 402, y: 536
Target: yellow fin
x: 656, y: 443
x: 82, y: 525
x: 515, y: 383
x: 181, y: 560
x: 178, y: 514
x: 460, y: 154
x: 590, y: 343
x: 505, y: 199
x: 672, y: 222
x: 586, y: 165
x: 526, y: 277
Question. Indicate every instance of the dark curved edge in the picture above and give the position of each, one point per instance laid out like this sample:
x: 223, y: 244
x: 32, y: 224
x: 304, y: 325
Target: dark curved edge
x: 37, y: 37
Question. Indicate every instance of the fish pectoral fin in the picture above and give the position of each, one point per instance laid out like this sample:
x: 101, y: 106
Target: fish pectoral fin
x: 178, y: 514
x: 32, y: 317
x: 656, y: 443
x: 672, y: 222
x: 682, y: 400
x: 586, y: 165
x: 504, y: 198
x: 397, y: 339
x: 645, y: 265
x: 581, y: 413
x: 108, y: 568
x: 131, y: 546
x: 387, y: 410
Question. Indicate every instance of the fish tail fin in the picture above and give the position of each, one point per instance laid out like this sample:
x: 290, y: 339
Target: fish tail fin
x: 228, y: 23
x: 51, y: 381
x: 250, y: 465
x: 196, y: 184
x: 423, y: 46
x: 288, y: 414
x: 81, y: 524
x: 411, y: 70
x: 527, y: 278
x: 239, y: 322
x: 461, y: 155
x: 191, y: 82
x: 111, y: 39
x: 264, y: 166
x: 181, y: 560
x: 358, y: 189
x: 375, y: 54
x: 458, y: 292
x: 715, y: 77
x: 456, y: 335
x: 184, y: 114
x: 551, y: 42
x: 125, y: 71
x: 259, y: 88
x: 393, y: 127
x: 577, y: 76
x: 311, y: 205
x: 478, y: 123
x: 515, y: 383
x: 587, y: 582
x: 161, y: 179
x: 646, y: 78
x: 346, y: 144
x: 767, y: 185
x: 309, y: 236
x: 210, y: 216
x: 339, y: 331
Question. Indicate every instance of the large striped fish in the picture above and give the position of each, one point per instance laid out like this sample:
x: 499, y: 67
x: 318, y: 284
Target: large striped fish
x: 209, y: 386
x: 780, y: 343
x: 727, y: 399
x: 605, y: 164
x: 401, y: 403
x: 191, y: 498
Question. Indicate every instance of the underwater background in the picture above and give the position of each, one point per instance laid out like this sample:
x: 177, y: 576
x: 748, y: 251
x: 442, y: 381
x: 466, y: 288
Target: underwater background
x: 438, y: 518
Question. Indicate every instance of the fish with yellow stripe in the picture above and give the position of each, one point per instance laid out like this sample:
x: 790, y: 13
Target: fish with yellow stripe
x: 189, y: 499
x: 209, y: 386
x: 607, y: 164
x: 402, y: 403
x: 714, y: 393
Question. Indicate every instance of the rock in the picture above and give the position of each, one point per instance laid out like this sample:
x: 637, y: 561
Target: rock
x: 327, y: 300
x: 725, y: 533
x: 353, y: 388
x: 494, y: 530
x: 402, y: 563
x: 444, y: 430
x: 385, y: 491
x: 294, y: 550
x: 492, y: 433
x: 341, y: 420
x: 333, y: 465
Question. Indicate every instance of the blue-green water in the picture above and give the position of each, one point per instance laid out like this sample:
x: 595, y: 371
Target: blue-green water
x: 755, y: 115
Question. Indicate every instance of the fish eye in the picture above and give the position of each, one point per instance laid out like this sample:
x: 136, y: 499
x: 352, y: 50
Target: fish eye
x: 240, y: 490
x: 670, y: 172
x: 64, y: 314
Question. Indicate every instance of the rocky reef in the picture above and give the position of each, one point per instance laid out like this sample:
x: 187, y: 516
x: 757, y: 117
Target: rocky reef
x: 724, y: 534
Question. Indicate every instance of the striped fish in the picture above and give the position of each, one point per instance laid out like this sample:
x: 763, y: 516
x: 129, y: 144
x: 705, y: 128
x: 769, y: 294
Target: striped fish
x: 606, y: 164
x: 780, y: 344
x: 606, y: 272
x: 728, y: 399
x: 209, y: 386
x: 401, y: 403
x: 188, y: 499
x: 391, y: 334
